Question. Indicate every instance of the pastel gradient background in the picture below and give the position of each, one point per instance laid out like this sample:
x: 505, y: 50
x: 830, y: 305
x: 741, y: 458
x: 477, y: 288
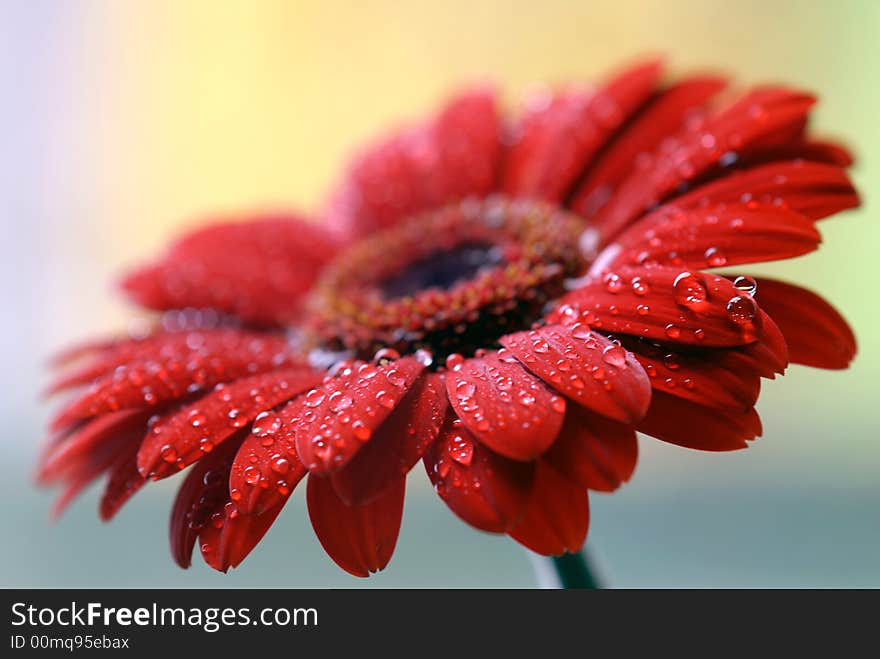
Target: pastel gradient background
x: 123, y: 123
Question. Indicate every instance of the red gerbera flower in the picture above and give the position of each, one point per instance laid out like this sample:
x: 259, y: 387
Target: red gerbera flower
x: 508, y: 302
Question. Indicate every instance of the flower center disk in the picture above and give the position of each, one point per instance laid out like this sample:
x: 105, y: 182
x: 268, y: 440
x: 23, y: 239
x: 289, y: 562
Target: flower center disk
x: 453, y: 280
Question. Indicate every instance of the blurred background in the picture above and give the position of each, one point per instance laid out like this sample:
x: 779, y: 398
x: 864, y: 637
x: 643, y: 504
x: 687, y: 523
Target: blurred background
x: 123, y: 123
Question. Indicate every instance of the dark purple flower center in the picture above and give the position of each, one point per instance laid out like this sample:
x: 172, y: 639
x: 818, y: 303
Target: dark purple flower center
x: 453, y: 280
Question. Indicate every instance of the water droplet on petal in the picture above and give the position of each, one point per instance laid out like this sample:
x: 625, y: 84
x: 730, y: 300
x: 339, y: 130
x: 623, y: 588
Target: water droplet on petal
x: 688, y: 290
x: 314, y: 398
x: 361, y: 431
x: 640, y: 286
x: 715, y: 257
x: 614, y: 355
x: 747, y: 285
x: 385, y: 399
x: 251, y: 475
x: 613, y: 283
x: 461, y: 450
x: 395, y: 378
x: 581, y: 332
x: 454, y: 361
x: 741, y: 310
x: 339, y: 401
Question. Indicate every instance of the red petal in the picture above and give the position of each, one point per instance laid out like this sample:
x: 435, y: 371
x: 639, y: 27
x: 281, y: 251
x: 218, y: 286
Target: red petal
x: 255, y: 270
x: 707, y: 237
x: 360, y: 539
x: 484, y: 489
x: 557, y: 516
x: 332, y: 423
x: 766, y: 357
x: 505, y: 407
x: 756, y: 121
x: 68, y: 453
x: 182, y: 437
x: 663, y: 116
x: 123, y: 483
x: 688, y: 424
x: 812, y: 189
x: 203, y: 493
x: 185, y: 363
x: 396, y: 445
x: 453, y: 156
x: 266, y: 468
x: 594, y: 452
x: 174, y: 327
x: 227, y: 541
x: 80, y: 473
x: 663, y: 304
x: 698, y: 376
x: 816, y: 334
x: 558, y: 141
x: 585, y: 366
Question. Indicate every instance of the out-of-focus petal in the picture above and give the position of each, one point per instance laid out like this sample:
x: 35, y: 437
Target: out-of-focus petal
x: 809, y: 188
x: 178, y: 439
x: 182, y: 364
x: 816, y: 334
x: 559, y: 139
x: 762, y: 118
x: 663, y: 116
x: 451, y: 157
x: 255, y: 270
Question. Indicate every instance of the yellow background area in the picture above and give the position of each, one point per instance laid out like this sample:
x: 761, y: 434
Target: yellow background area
x: 130, y: 121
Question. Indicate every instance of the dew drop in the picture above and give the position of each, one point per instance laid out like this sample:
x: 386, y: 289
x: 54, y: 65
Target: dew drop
x: 395, y: 378
x: 581, y: 332
x: 746, y: 285
x: 454, y: 361
x: 526, y: 398
x: 715, y: 257
x: 280, y: 465
x: 640, y: 286
x: 314, y: 398
x: 465, y: 389
x: 361, y: 431
x: 424, y: 357
x: 461, y: 450
x: 688, y: 290
x: 251, y: 475
x: 385, y: 354
x: 614, y: 355
x: 168, y: 453
x: 741, y: 310
x: 385, y: 399
x: 339, y: 401
x: 196, y: 418
x: 613, y: 283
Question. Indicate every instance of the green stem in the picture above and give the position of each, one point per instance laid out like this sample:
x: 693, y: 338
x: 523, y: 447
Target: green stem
x: 574, y: 571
